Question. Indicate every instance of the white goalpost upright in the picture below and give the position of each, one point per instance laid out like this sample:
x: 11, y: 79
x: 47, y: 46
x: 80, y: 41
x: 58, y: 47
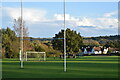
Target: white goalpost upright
x: 21, y: 42
x: 26, y: 54
x: 64, y: 40
x: 20, y: 55
x: 21, y: 39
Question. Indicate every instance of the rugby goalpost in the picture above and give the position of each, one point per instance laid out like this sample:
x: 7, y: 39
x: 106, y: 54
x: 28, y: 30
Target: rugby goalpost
x: 21, y: 54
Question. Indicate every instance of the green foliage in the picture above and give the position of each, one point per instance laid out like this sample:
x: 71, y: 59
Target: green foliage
x: 113, y: 44
x: 10, y: 43
x: 37, y: 47
x: 109, y: 41
x: 109, y: 52
x: 114, y: 37
x: 41, y: 47
x: 73, y: 41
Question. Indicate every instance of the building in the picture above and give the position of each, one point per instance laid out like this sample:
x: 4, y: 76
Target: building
x: 94, y: 50
x: 114, y: 50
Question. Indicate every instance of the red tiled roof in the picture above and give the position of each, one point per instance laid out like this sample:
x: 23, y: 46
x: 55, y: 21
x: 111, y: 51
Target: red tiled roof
x: 97, y: 48
x: 114, y: 49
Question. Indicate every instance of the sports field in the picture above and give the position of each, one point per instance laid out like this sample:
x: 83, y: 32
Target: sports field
x: 82, y: 67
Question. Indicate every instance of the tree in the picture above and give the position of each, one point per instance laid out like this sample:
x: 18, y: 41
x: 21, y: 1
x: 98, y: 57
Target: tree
x: 17, y: 27
x: 73, y: 41
x: 10, y: 43
x: 0, y: 43
x: 37, y: 46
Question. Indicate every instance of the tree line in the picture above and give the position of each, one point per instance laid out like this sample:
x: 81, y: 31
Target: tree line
x: 74, y: 42
x: 11, y: 43
x: 111, y: 41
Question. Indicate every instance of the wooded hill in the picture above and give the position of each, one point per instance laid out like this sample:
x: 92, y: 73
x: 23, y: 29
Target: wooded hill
x: 111, y: 37
x: 11, y: 46
x: 111, y: 41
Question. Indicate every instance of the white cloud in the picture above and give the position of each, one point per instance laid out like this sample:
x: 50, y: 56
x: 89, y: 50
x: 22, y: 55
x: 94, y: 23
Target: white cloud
x: 67, y: 17
x: 38, y: 18
x: 86, y: 22
x: 29, y: 14
x: 104, y: 23
x: 73, y: 21
x: 110, y: 14
x: 97, y: 23
x: 32, y: 15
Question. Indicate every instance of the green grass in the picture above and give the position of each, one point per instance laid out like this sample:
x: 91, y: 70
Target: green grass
x: 83, y: 67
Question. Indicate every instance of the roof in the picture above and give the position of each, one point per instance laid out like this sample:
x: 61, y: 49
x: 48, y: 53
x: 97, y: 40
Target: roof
x: 114, y: 49
x: 97, y: 48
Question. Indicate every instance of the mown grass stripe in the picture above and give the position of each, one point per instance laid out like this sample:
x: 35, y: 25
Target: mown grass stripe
x: 67, y: 61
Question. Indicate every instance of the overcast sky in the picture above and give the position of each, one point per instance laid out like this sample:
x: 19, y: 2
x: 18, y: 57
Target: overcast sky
x: 45, y: 19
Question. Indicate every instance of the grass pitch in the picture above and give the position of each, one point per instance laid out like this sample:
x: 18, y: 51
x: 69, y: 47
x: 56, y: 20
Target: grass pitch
x: 82, y: 67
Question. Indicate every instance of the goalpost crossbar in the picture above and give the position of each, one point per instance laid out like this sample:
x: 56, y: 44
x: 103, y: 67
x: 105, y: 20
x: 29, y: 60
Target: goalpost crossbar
x: 44, y: 39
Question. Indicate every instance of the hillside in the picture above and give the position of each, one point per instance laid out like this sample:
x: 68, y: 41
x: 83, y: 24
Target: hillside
x: 111, y: 41
x: 111, y: 37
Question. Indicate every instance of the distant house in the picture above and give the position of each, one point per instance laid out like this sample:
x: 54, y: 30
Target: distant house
x: 97, y: 50
x: 105, y: 50
x: 94, y: 50
x: 114, y: 50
